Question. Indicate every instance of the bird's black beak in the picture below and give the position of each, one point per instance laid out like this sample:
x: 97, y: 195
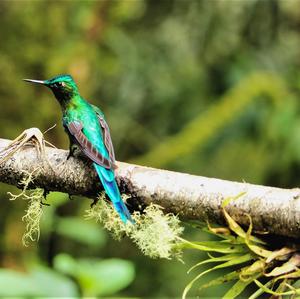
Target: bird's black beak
x: 35, y: 81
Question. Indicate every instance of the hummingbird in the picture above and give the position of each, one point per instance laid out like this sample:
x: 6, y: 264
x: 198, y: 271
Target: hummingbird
x: 89, y: 133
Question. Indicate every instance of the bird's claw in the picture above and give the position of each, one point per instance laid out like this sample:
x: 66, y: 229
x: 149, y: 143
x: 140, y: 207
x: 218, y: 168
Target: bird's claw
x: 46, y: 192
x: 94, y: 202
x: 45, y: 204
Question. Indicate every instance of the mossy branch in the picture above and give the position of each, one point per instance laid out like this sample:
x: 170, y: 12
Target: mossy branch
x: 272, y: 210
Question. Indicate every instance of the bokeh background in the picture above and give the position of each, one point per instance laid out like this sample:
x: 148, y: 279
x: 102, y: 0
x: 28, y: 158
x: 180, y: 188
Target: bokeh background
x: 206, y: 87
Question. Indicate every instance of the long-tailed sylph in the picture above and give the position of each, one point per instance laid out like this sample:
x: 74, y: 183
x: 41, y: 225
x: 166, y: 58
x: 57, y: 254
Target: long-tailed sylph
x: 88, y: 131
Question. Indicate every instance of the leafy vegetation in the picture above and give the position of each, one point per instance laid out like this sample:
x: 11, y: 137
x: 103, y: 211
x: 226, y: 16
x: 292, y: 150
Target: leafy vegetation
x: 274, y: 271
x: 205, y: 87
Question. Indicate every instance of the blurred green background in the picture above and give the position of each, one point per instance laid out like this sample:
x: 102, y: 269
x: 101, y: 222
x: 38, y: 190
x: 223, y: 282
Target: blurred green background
x: 205, y: 87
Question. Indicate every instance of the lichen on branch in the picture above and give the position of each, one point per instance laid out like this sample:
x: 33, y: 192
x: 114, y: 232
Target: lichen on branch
x: 34, y: 212
x: 155, y: 233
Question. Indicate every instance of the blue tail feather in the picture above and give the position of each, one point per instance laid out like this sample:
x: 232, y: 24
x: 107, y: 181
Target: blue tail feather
x: 111, y: 188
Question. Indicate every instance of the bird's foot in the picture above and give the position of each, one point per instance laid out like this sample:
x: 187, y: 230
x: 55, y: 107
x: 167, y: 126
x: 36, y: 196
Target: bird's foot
x: 46, y: 192
x: 44, y: 203
x: 32, y: 136
x: 94, y: 202
x: 71, y: 153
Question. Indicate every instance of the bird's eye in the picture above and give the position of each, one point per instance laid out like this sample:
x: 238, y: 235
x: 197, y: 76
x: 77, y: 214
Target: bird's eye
x: 60, y: 84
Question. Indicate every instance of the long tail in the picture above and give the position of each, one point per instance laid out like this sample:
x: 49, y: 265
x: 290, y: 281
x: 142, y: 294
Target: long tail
x: 110, y: 186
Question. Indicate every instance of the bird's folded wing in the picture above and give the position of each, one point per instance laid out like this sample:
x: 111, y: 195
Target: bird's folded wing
x: 75, y: 128
x: 107, y: 138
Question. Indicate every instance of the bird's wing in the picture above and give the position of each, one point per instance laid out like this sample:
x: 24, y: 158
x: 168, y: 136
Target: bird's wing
x: 106, y: 133
x: 75, y: 129
x: 107, y: 138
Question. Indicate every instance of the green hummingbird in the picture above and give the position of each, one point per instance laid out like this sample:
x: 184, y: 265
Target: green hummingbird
x: 88, y: 131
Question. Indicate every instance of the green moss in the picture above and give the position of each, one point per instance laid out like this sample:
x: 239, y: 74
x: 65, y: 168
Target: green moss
x: 34, y: 211
x: 33, y: 216
x: 155, y: 233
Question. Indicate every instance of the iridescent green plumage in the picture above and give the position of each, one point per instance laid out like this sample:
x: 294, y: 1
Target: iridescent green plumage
x: 87, y: 129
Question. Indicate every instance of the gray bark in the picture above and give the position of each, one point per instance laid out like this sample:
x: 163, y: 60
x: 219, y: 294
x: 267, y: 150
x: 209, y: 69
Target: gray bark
x: 191, y: 197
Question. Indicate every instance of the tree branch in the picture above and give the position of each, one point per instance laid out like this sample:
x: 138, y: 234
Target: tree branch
x: 192, y: 197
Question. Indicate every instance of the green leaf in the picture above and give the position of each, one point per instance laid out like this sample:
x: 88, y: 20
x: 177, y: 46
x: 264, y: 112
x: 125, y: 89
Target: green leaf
x: 96, y: 277
x: 238, y: 288
x: 40, y: 281
x: 281, y: 253
x: 214, y: 232
x: 282, y: 286
x: 296, y: 283
x: 228, y: 200
x: 247, y: 272
x: 216, y: 246
x: 295, y: 274
x: 52, y: 284
x: 229, y: 263
x: 260, y: 291
x: 259, y: 250
x: 65, y: 263
x: 220, y: 231
x: 223, y: 258
x: 105, y: 277
x: 291, y: 265
x: 13, y: 283
x: 235, y: 227
x: 220, y: 280
x: 82, y: 231
x: 269, y: 291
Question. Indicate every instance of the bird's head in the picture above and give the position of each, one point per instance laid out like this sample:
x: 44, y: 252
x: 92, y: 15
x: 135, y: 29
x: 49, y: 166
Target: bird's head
x: 63, y: 87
